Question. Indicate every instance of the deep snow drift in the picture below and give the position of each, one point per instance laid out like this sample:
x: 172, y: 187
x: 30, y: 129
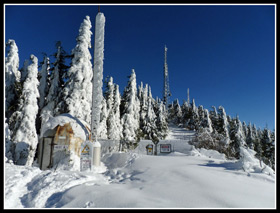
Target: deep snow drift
x: 185, y: 178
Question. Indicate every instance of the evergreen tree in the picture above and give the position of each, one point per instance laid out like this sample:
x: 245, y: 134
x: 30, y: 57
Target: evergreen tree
x: 193, y: 121
x: 185, y: 110
x: 12, y: 78
x: 24, y: 71
x: 43, y: 89
x: 59, y: 78
x: 161, y: 121
x: 44, y: 82
x: 214, y: 118
x: 257, y: 142
x: 8, y: 143
x: 206, y: 121
x: 237, y: 138
x: 143, y: 98
x: 268, y: 148
x: 272, y: 150
x: 140, y: 92
x: 244, y: 128
x: 201, y: 115
x: 175, y: 113
x: 24, y: 135
x: 223, y: 125
x: 113, y: 121
x: 78, y: 90
x: 109, y: 94
x: 130, y: 114
x: 179, y: 114
x: 150, y: 127
x: 250, y: 138
x: 54, y: 101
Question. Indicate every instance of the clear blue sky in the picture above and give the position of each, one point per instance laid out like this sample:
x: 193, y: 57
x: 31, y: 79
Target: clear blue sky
x: 224, y: 54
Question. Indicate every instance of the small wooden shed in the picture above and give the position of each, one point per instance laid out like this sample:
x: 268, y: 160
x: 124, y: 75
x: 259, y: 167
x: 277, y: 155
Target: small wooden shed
x: 62, y: 134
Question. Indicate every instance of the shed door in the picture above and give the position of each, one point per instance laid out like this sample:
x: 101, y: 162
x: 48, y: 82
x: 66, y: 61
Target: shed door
x: 46, y: 153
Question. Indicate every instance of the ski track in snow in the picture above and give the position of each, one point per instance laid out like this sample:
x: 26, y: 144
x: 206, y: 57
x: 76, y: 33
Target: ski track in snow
x: 185, y: 178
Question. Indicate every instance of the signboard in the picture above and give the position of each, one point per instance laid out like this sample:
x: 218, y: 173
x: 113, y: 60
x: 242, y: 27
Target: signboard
x: 165, y: 148
x: 149, y: 149
x: 60, y: 147
x: 85, y: 150
x: 86, y: 156
x: 62, y: 137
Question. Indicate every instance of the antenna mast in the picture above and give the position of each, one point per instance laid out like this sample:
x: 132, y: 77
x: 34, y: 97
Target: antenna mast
x: 166, y: 90
x: 188, y: 96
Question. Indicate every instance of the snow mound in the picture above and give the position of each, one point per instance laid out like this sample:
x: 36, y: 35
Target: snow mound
x: 250, y: 163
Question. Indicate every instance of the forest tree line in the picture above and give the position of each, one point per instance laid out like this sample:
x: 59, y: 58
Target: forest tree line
x: 39, y: 91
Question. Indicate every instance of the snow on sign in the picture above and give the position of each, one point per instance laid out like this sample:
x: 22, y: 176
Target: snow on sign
x: 165, y: 148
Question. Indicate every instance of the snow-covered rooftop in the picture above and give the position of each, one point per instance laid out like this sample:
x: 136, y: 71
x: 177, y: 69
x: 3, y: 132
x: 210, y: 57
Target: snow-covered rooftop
x: 78, y: 126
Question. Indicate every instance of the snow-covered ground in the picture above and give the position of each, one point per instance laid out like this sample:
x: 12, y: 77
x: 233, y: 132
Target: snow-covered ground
x: 185, y: 178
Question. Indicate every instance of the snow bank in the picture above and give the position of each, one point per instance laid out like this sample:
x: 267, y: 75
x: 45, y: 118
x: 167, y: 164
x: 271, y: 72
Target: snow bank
x: 250, y: 163
x: 141, y: 181
x: 191, y: 178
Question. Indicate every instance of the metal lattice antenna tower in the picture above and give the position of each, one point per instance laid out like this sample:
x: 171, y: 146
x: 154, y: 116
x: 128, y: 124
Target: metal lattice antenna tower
x: 166, y: 90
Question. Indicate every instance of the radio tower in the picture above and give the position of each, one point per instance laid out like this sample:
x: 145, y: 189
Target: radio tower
x: 166, y: 90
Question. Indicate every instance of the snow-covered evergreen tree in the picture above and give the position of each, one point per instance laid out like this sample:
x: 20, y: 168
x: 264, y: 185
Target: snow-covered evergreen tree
x: 250, y: 138
x: 161, y: 122
x: 130, y: 115
x: 78, y: 90
x: 237, y: 139
x: 150, y: 127
x: 268, y: 148
x: 44, y: 84
x: 257, y: 141
x: 223, y: 124
x: 43, y: 89
x: 175, y: 113
x: 24, y: 136
x: 116, y: 107
x: 179, y: 113
x: 200, y: 111
x: 244, y: 128
x: 54, y: 104
x: 115, y: 128
x: 206, y: 122
x: 214, y: 118
x: 59, y: 78
x: 193, y: 117
x: 23, y: 70
x: 143, y: 98
x: 8, y: 143
x: 12, y: 78
x: 109, y: 94
x: 185, y: 112
x: 109, y: 97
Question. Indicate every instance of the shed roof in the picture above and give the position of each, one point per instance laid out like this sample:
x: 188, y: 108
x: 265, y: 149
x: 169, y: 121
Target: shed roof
x: 80, y: 128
